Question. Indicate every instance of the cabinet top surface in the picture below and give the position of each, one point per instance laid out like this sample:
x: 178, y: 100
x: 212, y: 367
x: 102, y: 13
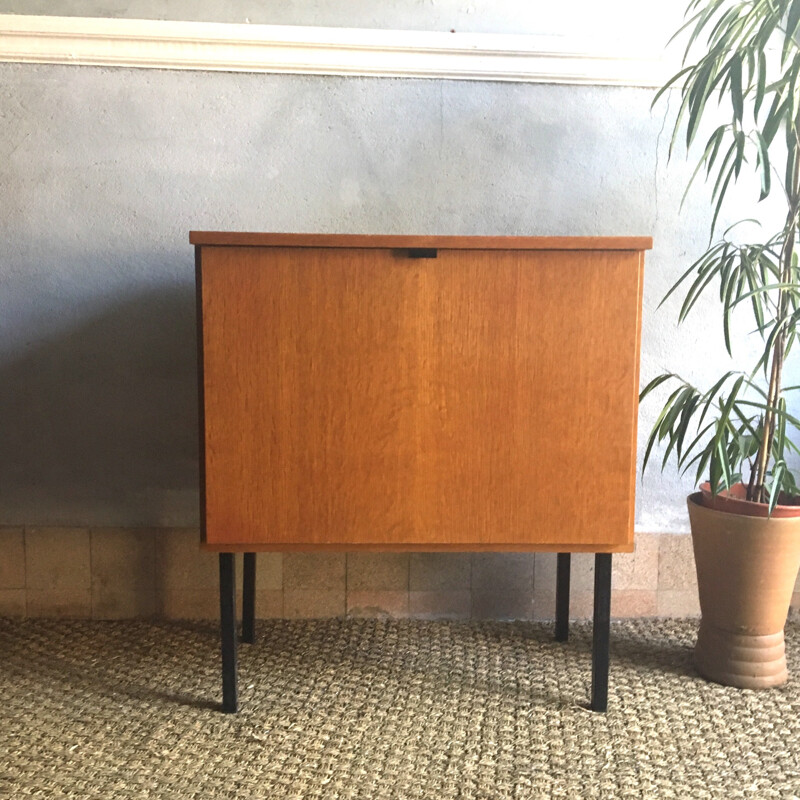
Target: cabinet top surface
x: 241, y: 239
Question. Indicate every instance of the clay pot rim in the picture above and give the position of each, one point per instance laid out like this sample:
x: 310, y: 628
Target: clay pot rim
x: 741, y: 508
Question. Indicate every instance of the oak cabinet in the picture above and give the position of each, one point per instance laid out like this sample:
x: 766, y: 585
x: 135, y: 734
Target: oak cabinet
x: 418, y: 393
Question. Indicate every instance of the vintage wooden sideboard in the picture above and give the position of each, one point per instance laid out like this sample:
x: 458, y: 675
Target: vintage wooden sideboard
x: 445, y: 393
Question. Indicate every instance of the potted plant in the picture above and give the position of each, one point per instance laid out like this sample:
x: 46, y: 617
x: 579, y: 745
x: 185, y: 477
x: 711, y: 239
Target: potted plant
x: 737, y: 435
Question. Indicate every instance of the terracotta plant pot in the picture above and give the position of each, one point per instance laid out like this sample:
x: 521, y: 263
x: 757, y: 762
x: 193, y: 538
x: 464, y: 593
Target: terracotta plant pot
x: 746, y: 569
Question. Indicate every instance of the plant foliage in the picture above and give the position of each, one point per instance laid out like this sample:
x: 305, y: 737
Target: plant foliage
x: 747, y: 76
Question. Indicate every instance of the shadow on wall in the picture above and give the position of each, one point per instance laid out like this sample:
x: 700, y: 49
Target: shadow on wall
x: 98, y: 425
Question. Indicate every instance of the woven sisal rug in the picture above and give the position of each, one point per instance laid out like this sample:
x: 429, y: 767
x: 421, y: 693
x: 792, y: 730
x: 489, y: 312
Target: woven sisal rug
x: 382, y: 709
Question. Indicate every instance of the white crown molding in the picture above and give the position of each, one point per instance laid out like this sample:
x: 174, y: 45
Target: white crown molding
x: 324, y: 51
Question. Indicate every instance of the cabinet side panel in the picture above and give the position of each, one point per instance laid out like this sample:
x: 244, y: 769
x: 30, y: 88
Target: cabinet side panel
x: 362, y: 397
x: 198, y: 285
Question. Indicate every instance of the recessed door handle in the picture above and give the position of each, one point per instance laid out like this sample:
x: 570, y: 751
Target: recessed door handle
x: 422, y: 252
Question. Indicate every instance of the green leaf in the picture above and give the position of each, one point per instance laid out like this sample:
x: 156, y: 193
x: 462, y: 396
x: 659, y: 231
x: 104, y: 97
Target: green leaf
x: 669, y: 84
x: 727, y: 306
x: 667, y: 430
x: 764, y: 165
x: 737, y: 98
x: 770, y: 287
x: 689, y: 408
x: 777, y: 330
x: 775, y: 489
x: 701, y: 434
x: 655, y: 432
x: 712, y: 393
x: 724, y: 464
x: 674, y: 408
x: 711, y: 157
x: 762, y: 81
x: 697, y: 264
x: 764, y: 406
x: 741, y: 140
x: 792, y: 19
x: 780, y: 431
x: 707, y: 159
x: 775, y: 117
x: 678, y: 122
x: 789, y: 180
x: 721, y: 197
x: 704, y: 278
x: 654, y: 384
x: 697, y: 99
x: 698, y: 20
x: 704, y: 461
x: 727, y: 406
x: 715, y: 465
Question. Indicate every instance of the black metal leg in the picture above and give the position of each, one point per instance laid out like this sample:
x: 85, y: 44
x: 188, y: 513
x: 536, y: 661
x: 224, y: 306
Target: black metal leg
x: 227, y: 614
x: 562, y: 596
x: 601, y: 630
x: 249, y: 599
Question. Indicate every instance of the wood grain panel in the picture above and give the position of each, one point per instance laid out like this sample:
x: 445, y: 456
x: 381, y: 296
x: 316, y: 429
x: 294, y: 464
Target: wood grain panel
x: 479, y: 399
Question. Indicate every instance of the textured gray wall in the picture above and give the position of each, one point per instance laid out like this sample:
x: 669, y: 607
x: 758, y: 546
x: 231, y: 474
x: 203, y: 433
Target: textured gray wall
x: 578, y: 17
x: 104, y: 171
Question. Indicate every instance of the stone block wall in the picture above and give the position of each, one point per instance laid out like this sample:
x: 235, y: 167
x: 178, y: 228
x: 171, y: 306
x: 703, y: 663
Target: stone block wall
x: 119, y: 573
